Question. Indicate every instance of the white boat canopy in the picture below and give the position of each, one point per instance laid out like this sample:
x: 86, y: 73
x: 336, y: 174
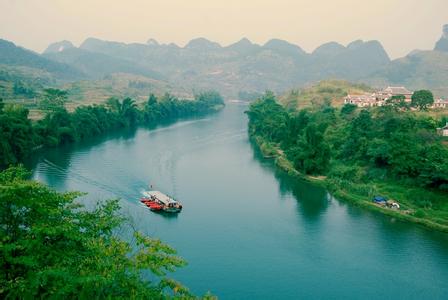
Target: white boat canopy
x: 160, y: 196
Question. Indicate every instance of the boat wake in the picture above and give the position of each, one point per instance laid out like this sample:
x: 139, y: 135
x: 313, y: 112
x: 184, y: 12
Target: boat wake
x: 82, y: 178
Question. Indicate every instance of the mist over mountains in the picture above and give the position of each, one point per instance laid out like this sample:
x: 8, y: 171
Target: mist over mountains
x: 243, y: 66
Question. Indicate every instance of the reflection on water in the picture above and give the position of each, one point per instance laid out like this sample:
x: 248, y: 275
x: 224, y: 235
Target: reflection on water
x: 312, y: 200
x: 247, y: 229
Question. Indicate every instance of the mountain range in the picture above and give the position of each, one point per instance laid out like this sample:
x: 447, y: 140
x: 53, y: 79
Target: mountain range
x: 243, y: 66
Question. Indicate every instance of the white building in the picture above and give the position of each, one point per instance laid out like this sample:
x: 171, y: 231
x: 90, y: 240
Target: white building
x: 440, y: 103
x: 444, y: 130
x: 391, y: 91
x: 362, y: 100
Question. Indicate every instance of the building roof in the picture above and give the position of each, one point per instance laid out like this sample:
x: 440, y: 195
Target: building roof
x: 160, y: 196
x: 397, y: 90
x: 365, y: 96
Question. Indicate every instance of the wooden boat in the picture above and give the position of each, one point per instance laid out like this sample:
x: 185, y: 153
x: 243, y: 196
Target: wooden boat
x: 158, y: 201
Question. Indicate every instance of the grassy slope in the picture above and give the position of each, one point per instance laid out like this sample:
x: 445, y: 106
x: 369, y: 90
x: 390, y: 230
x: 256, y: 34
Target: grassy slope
x: 83, y: 92
x: 332, y: 91
x: 30, y: 77
x: 117, y: 85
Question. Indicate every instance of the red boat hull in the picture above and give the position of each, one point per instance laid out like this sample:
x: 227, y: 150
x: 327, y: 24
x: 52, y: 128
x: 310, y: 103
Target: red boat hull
x: 153, y: 205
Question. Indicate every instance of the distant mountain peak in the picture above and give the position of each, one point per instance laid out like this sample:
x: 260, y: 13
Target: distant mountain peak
x: 92, y: 39
x: 59, y: 46
x: 442, y: 43
x: 202, y: 43
x: 244, y: 41
x: 355, y: 44
x: 365, y: 44
x: 329, y: 48
x: 243, y: 46
x: 283, y: 47
x: 173, y: 45
x: 152, y: 42
x: 88, y: 42
x: 276, y: 42
x: 13, y: 55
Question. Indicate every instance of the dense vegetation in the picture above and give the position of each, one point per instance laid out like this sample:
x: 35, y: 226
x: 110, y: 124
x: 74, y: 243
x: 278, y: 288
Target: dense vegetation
x: 18, y: 135
x: 53, y: 248
x: 359, y: 150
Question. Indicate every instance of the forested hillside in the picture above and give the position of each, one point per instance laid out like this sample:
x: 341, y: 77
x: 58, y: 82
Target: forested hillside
x: 361, y: 152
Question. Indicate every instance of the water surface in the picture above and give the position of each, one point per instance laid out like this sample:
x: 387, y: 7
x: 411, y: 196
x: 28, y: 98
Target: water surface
x: 248, y: 230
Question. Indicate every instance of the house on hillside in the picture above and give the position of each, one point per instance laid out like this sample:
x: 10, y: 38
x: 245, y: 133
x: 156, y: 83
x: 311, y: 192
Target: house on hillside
x: 362, y: 100
x: 444, y: 130
x: 391, y: 91
x: 379, y: 98
x: 440, y: 103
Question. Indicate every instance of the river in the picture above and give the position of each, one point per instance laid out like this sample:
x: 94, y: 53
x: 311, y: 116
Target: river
x: 249, y: 231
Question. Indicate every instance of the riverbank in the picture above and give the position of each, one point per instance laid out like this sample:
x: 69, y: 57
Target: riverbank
x: 21, y: 136
x: 343, y: 190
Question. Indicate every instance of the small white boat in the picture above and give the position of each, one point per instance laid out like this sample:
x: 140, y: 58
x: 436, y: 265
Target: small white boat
x: 167, y: 203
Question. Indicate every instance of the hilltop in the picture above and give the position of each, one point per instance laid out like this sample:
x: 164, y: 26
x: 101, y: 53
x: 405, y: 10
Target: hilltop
x: 14, y: 56
x: 324, y: 92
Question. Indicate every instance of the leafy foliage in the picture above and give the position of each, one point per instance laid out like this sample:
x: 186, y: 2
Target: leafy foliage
x: 398, y: 102
x: 52, y: 247
x: 18, y: 136
x: 53, y: 99
x: 385, y: 142
x: 422, y: 99
x: 21, y: 89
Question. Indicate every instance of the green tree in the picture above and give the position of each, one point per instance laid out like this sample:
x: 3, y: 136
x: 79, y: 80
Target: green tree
x: 151, y: 111
x: 21, y: 89
x: 16, y: 135
x: 348, y: 109
x: 128, y: 110
x: 52, y: 247
x: 422, y: 99
x: 212, y: 97
x: 398, y: 102
x: 312, y: 153
x: 268, y: 118
x: 113, y: 104
x: 53, y: 99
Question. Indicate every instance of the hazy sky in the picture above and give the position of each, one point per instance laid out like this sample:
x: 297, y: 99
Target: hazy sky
x: 400, y: 25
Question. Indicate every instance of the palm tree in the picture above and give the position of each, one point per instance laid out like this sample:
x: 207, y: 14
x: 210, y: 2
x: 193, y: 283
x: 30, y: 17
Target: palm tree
x: 128, y: 110
x: 113, y: 104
